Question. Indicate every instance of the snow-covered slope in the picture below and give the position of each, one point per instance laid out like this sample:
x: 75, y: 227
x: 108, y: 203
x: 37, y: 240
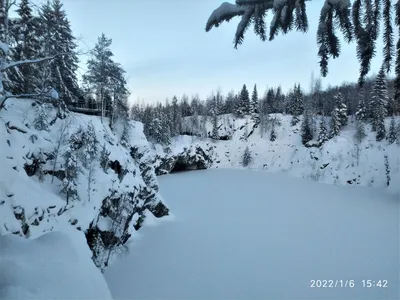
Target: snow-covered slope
x: 56, y: 265
x: 115, y: 188
x: 240, y: 234
x: 335, y: 162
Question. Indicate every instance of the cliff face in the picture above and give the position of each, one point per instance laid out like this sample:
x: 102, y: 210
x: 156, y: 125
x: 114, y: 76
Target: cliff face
x: 73, y: 170
x: 340, y: 160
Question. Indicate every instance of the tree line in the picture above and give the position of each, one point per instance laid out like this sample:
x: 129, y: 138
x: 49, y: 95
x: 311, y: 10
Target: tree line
x: 322, y: 112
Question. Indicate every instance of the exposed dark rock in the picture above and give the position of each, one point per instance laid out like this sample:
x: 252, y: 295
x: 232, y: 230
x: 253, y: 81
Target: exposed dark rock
x: 13, y: 127
x: 116, y: 166
x: 159, y: 210
x: 324, y: 166
x: 188, y: 159
x: 59, y: 174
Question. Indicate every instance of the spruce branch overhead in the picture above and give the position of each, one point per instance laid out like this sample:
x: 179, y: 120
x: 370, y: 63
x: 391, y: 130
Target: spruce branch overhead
x: 357, y: 20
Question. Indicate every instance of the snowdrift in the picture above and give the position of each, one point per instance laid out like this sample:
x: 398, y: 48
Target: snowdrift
x: 56, y: 265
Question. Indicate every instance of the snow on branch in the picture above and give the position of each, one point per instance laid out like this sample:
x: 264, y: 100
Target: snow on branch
x: 225, y: 12
x: 26, y: 61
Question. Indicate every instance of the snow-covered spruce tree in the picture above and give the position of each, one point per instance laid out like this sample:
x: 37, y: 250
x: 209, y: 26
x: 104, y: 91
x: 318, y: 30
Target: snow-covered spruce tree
x: 358, y: 138
x: 153, y: 130
x: 40, y: 122
x: 214, y: 103
x: 379, y: 102
x: 262, y: 116
x: 360, y: 132
x: 361, y: 113
x: 176, y: 117
x: 269, y: 105
x: 214, y: 133
x: 387, y: 169
x: 69, y: 186
x: 323, y: 131
x: 392, y: 135
x: 57, y: 39
x: 272, y: 136
x: 306, y: 131
x: 296, y: 105
x: 90, y: 143
x: 243, y: 104
x: 104, y: 158
x: 335, y: 123
x: 126, y: 133
x: 25, y: 30
x: 357, y: 20
x: 342, y: 108
x: 279, y: 100
x: 40, y: 172
x: 247, y: 157
x: 254, y: 106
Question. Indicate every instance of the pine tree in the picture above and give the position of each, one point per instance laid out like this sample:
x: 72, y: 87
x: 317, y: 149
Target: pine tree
x: 254, y: 106
x: 379, y: 102
x: 392, y: 136
x: 69, y: 186
x: 247, y: 157
x: 323, y: 132
x: 306, y: 131
x: 101, y: 67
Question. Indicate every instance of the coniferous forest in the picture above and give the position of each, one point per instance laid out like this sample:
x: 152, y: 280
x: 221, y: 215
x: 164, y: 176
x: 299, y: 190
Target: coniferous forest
x: 43, y: 35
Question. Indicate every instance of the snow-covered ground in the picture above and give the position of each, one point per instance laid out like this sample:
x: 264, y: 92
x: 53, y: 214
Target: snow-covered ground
x: 56, y: 265
x: 240, y: 234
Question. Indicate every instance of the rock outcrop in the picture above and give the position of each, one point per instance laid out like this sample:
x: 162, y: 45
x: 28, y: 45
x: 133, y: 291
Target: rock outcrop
x: 191, y: 158
x: 75, y: 172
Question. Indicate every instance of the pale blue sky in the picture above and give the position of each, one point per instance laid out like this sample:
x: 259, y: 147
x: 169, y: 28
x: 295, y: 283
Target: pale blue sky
x: 165, y: 50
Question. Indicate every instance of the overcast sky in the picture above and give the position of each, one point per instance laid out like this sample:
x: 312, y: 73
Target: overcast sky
x: 165, y: 50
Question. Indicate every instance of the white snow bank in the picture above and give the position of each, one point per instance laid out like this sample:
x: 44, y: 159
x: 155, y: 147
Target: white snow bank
x: 57, y: 265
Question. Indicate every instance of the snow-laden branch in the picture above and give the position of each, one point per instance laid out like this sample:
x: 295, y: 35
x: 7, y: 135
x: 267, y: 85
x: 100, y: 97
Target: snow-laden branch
x: 6, y: 66
x: 224, y: 12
